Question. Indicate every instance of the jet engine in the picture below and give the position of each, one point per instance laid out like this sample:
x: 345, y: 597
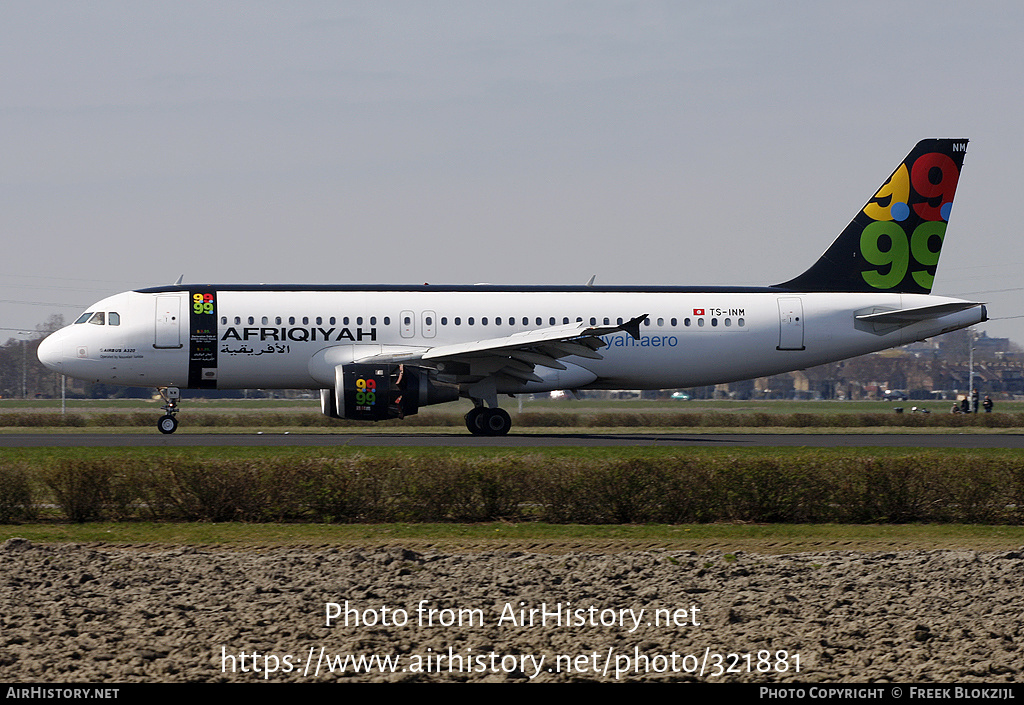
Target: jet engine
x: 374, y: 392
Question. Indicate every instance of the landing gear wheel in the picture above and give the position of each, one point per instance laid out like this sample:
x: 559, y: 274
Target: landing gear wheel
x: 496, y: 422
x: 474, y: 418
x: 488, y: 422
x: 167, y: 424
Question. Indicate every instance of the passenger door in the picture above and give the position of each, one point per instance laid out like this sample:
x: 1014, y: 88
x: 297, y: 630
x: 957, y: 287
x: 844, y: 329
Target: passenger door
x: 168, y: 322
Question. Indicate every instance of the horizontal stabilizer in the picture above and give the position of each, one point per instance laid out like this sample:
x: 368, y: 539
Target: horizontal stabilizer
x: 913, y: 315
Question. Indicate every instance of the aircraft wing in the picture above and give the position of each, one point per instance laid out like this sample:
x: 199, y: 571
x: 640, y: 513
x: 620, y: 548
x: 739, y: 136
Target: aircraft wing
x: 516, y: 355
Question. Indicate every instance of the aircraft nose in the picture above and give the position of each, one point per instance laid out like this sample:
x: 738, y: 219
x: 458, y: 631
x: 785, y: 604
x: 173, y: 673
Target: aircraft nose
x: 51, y: 352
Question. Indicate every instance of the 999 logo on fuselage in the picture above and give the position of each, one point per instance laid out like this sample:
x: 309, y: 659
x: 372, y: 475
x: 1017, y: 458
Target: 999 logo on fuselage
x: 202, y: 303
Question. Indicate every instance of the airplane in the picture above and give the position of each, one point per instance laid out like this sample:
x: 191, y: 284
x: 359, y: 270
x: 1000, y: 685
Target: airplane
x: 381, y: 352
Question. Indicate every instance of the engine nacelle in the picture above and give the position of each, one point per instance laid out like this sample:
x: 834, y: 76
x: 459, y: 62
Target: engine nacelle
x: 374, y: 392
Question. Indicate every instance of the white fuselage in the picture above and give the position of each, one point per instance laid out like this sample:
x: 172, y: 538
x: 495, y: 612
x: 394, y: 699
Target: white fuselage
x: 273, y: 337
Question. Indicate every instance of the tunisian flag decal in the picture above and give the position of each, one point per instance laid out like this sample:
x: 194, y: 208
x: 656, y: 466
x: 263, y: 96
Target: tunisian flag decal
x: 698, y: 312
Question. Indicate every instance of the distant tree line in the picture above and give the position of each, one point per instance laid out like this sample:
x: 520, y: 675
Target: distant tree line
x: 21, y: 373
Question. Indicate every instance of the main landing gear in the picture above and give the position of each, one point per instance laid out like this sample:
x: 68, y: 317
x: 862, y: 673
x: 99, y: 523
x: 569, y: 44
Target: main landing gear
x: 482, y: 421
x: 167, y: 422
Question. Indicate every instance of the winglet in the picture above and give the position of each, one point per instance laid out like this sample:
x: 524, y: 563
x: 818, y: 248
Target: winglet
x: 632, y: 326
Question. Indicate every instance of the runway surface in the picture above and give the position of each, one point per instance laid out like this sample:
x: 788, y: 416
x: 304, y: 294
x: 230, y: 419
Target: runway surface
x: 464, y: 440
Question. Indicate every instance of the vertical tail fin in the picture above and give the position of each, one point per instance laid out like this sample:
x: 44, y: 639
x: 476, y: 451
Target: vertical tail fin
x: 893, y: 243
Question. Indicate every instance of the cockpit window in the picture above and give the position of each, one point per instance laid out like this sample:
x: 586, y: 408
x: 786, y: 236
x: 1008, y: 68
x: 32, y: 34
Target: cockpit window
x: 98, y: 319
x: 113, y: 318
x: 84, y: 317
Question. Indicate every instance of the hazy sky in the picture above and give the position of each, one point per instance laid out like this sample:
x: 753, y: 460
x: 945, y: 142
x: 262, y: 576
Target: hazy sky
x: 507, y: 142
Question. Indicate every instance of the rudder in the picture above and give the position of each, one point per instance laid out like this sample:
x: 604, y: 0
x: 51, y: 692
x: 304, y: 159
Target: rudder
x: 893, y: 243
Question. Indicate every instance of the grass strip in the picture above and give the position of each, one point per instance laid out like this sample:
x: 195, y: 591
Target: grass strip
x: 541, y: 537
x: 526, y: 420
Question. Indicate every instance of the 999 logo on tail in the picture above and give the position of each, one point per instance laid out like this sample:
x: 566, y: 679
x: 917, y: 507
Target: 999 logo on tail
x: 907, y: 218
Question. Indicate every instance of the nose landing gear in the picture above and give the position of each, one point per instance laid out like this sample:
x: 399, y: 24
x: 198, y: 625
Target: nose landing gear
x: 167, y: 422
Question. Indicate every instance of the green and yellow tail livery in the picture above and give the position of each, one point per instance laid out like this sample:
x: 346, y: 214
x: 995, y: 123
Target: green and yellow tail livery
x: 893, y: 243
